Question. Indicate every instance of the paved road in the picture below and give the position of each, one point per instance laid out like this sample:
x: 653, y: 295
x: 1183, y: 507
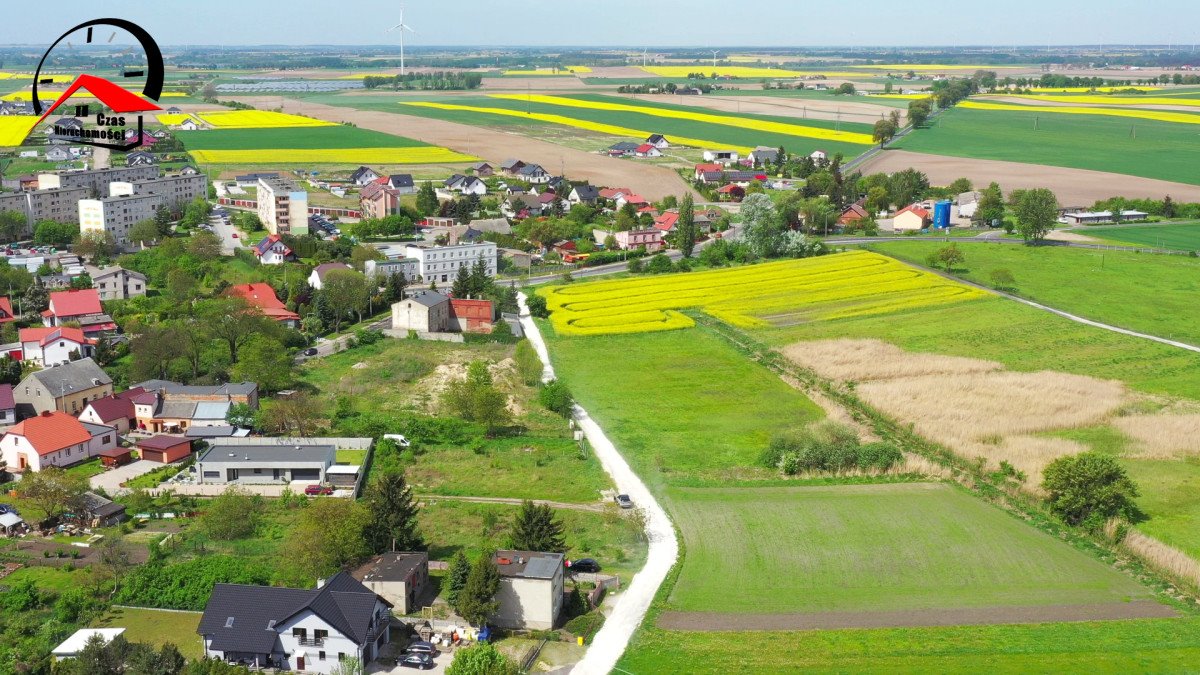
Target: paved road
x: 631, y: 606
x: 325, y: 346
x: 229, y: 243
x: 101, y: 157
x: 110, y: 481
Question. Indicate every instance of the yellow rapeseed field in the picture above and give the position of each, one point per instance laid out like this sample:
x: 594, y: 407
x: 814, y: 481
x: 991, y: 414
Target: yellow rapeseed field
x: 172, y: 119
x: 856, y: 283
x: 258, y: 119
x: 697, y: 116
x: 573, y: 122
x: 1133, y: 101
x: 1085, y: 90
x: 1157, y: 115
x: 422, y: 155
x: 14, y: 129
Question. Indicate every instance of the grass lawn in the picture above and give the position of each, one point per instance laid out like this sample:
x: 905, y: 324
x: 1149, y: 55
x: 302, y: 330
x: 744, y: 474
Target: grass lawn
x: 1163, y: 150
x: 450, y: 526
x: 157, y: 627
x: 681, y: 405
x: 87, y: 469
x: 57, y: 579
x: 873, y: 547
x: 1170, y: 497
x: 1150, y: 645
x: 1176, y: 236
x: 1153, y: 294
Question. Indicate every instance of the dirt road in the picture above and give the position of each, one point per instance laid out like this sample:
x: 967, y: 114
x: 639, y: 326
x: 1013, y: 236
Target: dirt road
x: 652, y: 182
x: 1074, y: 187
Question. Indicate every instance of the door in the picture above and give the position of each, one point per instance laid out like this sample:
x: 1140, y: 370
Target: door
x: 299, y: 663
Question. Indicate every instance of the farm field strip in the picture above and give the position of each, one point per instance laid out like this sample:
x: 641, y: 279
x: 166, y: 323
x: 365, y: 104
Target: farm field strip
x: 294, y: 138
x: 257, y: 119
x: 569, y: 122
x: 831, y: 287
x: 919, y: 67
x: 565, y: 70
x: 14, y: 129
x: 422, y: 155
x: 693, y: 115
x: 1156, y: 115
x: 1133, y: 101
x: 28, y: 95
x: 1086, y: 90
x: 173, y: 119
x: 739, y: 71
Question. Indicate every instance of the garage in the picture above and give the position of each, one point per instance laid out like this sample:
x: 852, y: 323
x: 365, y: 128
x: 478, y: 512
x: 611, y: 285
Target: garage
x: 164, y: 449
x: 306, y: 474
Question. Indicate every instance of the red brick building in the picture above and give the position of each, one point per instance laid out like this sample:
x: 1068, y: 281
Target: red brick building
x: 165, y: 449
x: 472, y: 316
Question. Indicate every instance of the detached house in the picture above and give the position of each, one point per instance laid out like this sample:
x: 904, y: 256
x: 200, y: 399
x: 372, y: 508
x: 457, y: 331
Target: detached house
x: 69, y: 388
x: 81, y: 305
x: 659, y: 141
x: 910, y: 218
x: 583, y: 194
x: 54, y: 439
x: 6, y: 311
x: 402, y: 183
x: 762, y: 155
x: 296, y: 629
x: 363, y: 175
x: 317, y: 278
x: 482, y: 169
x: 652, y: 240
x: 647, y: 150
x: 118, y: 283
x: 262, y: 296
x: 531, y: 589
x: 511, y: 166
x: 272, y: 251
x: 115, y: 410
x: 54, y: 346
x: 534, y: 174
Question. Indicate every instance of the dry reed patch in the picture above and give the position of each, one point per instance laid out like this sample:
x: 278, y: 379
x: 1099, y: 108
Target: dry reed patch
x: 1161, y: 436
x: 1161, y: 556
x: 866, y: 360
x: 1028, y: 454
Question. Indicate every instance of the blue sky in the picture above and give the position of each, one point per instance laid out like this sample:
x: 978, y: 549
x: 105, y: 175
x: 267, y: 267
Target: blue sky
x: 648, y: 23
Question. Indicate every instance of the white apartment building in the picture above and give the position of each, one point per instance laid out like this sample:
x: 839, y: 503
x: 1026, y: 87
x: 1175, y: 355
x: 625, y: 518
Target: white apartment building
x: 282, y: 206
x: 440, y: 263
x: 116, y: 214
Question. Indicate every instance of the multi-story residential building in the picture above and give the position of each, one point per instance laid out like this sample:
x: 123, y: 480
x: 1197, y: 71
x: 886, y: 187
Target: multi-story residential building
x: 531, y: 589
x: 440, y: 263
x: 282, y: 206
x: 377, y: 200
x: 118, y: 283
x: 116, y: 215
x: 175, y: 191
x: 96, y: 181
x: 380, y: 270
x: 69, y: 388
x: 58, y: 204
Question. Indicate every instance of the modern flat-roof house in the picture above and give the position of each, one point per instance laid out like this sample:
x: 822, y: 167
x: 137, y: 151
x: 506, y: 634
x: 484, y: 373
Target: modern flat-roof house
x: 399, y: 578
x: 531, y: 589
x: 296, y: 629
x: 68, y: 388
x: 264, y: 464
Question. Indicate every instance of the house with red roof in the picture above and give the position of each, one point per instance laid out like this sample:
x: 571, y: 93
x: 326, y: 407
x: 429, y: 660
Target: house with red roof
x: 702, y: 169
x: 853, y: 214
x: 114, y: 410
x: 731, y: 193
x: 667, y: 221
x: 647, y: 150
x: 6, y: 311
x: 630, y: 198
x: 50, y: 346
x: 613, y: 193
x: 262, y: 296
x: 82, y: 305
x: 910, y: 218
x: 54, y: 438
x: 272, y: 251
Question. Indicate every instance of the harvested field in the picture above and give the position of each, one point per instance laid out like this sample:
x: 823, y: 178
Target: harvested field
x: 650, y: 181
x: 866, y: 360
x: 975, y: 616
x: 1161, y: 436
x: 1071, y: 186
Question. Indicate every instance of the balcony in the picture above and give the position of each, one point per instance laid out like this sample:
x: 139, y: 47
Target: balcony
x: 310, y: 642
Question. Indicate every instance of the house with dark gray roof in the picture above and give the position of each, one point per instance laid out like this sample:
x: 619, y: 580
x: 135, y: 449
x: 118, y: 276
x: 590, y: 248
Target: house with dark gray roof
x: 531, y: 589
x: 68, y: 387
x: 424, y: 312
x: 296, y: 629
x: 584, y: 194
x: 264, y: 464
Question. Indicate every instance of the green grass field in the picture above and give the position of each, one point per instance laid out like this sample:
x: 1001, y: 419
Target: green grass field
x: 1153, y: 294
x: 1163, y: 150
x: 681, y: 405
x: 340, y: 136
x: 1143, y: 646
x: 1175, y: 236
x: 157, y: 627
x: 873, y: 547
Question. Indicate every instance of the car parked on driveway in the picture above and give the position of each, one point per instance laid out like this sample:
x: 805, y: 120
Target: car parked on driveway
x: 421, y: 647
x: 418, y: 661
x: 311, y: 351
x: 586, y: 565
x: 318, y: 490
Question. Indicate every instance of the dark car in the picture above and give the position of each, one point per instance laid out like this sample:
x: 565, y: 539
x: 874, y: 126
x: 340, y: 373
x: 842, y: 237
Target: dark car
x: 311, y: 351
x: 418, y: 661
x: 318, y: 490
x: 586, y: 565
x: 421, y: 647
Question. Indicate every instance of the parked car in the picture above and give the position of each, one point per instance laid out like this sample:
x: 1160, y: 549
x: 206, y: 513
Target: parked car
x: 399, y: 438
x: 311, y: 351
x: 318, y: 490
x: 234, y: 235
x: 624, y: 501
x: 421, y: 647
x: 586, y: 565
x: 418, y: 661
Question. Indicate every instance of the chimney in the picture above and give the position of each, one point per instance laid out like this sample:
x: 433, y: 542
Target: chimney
x: 320, y: 583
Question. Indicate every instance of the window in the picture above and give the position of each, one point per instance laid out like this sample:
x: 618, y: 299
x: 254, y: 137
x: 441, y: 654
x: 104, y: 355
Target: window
x: 320, y: 634
x: 320, y: 656
x: 107, y: 439
x: 341, y: 656
x: 299, y: 633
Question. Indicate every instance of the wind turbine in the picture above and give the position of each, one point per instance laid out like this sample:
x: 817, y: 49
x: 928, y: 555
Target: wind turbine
x: 715, y: 52
x: 401, y: 27
x: 644, y: 57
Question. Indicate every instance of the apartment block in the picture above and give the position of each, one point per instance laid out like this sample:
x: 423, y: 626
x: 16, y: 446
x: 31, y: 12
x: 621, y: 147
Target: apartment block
x: 116, y: 214
x: 96, y: 181
x: 440, y: 263
x: 58, y: 204
x: 282, y: 206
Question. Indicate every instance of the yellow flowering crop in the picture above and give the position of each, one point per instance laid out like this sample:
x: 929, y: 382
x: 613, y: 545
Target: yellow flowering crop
x: 172, y: 119
x: 697, y: 116
x: 917, y: 68
x: 420, y: 155
x: 572, y: 122
x: 857, y: 283
x: 1157, y: 115
x: 258, y: 119
x: 14, y: 129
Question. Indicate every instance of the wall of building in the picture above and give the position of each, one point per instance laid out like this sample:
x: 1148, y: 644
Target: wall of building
x: 31, y: 392
x: 528, y: 603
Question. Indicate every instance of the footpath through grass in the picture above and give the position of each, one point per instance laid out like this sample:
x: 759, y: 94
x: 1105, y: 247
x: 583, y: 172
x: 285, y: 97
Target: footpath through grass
x: 1148, y: 293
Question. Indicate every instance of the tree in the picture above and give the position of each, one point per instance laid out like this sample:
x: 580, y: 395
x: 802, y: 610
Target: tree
x: 761, y: 225
x: 960, y: 185
x: 204, y: 245
x: 154, y: 348
x: 878, y: 200
x: 990, y: 211
x: 475, y: 399
x: 1089, y: 488
x: 96, y: 245
x: 884, y: 131
x: 12, y: 225
x: 393, y: 515
x: 51, y: 490
x: 456, y: 576
x: 240, y: 415
x: 328, y: 535
x: 477, y: 600
x: 1036, y: 212
x: 907, y: 186
x: 529, y: 364
x: 918, y: 112
x: 555, y: 397
x: 427, y: 201
x: 1002, y: 278
x: 345, y: 290
x: 181, y: 286
x: 481, y: 659
x: 687, y: 226
x: 81, y: 282
x: 845, y: 89
x: 950, y: 256
x: 234, y: 514
x: 1168, y: 207
x: 162, y: 220
x: 348, y: 666
x: 461, y: 288
x: 536, y: 529
x: 144, y: 232
x: 537, y: 306
x: 114, y: 562
x: 54, y: 233
x: 234, y: 322
x: 266, y: 362
x: 297, y: 415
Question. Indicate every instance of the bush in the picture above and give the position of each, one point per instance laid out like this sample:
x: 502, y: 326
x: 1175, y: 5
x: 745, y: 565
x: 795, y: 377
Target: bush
x: 555, y: 397
x: 1089, y: 488
x: 537, y: 306
x: 826, y: 447
x: 187, y: 585
x: 365, y: 336
x: 585, y: 625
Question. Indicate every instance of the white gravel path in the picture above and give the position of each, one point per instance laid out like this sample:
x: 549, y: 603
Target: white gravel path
x: 633, y: 602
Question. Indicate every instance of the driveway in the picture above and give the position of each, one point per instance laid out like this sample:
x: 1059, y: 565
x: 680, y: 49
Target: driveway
x: 110, y: 481
x: 229, y: 243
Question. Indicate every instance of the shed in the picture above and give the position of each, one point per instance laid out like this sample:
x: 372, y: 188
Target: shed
x: 164, y: 449
x: 72, y: 646
x: 10, y: 522
x: 117, y: 456
x: 342, y: 475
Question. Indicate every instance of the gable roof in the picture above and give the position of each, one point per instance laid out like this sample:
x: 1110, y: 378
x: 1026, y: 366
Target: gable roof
x: 913, y: 208
x: 109, y: 408
x: 532, y: 170
x: 613, y: 193
x: 262, y: 247
x: 624, y: 146
x: 325, y: 268
x: 586, y: 193
x: 76, y: 302
x: 51, y: 431
x: 117, y: 269
x: 511, y: 164
x: 646, y: 147
x: 74, y: 376
x: 6, y: 397
x: 654, y: 138
x: 262, y: 296
x: 400, y: 180
x: 45, y: 335
x: 855, y: 210
x: 666, y: 221
x: 360, y: 172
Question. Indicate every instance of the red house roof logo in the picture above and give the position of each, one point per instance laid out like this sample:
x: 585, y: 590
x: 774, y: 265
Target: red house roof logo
x: 119, y: 99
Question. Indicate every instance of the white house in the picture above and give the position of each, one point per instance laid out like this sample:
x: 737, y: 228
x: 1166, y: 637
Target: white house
x: 296, y: 629
x: 721, y: 156
x: 531, y: 589
x: 910, y: 218
x: 53, y: 439
x: 317, y: 278
x: 440, y: 263
x: 818, y: 155
x: 363, y: 175
x: 190, y: 124
x: 49, y: 346
x: 659, y: 141
x: 647, y: 150
x: 272, y: 251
